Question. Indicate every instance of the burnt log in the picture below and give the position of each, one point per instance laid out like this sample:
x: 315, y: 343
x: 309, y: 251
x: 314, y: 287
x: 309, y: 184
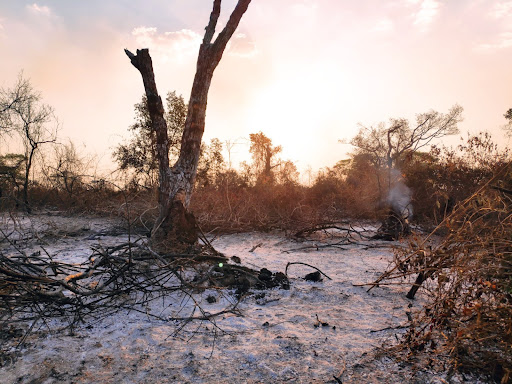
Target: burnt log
x: 393, y: 227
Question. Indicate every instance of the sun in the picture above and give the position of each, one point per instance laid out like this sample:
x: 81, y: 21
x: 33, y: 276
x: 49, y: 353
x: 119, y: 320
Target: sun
x: 297, y: 108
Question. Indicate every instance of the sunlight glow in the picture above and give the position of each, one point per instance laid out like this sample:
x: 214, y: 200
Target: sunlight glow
x: 299, y: 101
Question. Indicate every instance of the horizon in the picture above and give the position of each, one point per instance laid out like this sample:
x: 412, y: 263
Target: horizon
x: 303, y: 72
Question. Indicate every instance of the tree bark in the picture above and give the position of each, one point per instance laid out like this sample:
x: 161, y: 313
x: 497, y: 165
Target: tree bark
x: 175, y: 227
x: 28, y: 167
x: 142, y: 61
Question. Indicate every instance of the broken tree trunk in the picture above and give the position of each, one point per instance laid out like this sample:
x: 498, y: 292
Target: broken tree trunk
x: 393, y: 227
x: 175, y: 227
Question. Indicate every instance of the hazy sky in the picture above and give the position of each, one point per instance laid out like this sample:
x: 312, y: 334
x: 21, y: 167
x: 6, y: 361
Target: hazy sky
x: 304, y: 72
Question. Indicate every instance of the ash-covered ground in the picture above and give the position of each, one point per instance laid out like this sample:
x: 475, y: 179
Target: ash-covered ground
x: 315, y: 332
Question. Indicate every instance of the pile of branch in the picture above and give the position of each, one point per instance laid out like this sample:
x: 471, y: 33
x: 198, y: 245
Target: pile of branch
x: 468, y: 276
x: 337, y: 235
x: 36, y: 287
x: 37, y: 290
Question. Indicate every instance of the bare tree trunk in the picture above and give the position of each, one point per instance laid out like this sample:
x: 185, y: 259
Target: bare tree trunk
x: 28, y: 167
x: 175, y: 226
x: 142, y: 61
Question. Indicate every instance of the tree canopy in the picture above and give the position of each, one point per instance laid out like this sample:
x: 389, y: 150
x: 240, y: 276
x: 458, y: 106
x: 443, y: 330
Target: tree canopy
x: 263, y: 156
x: 139, y: 153
x: 387, y: 143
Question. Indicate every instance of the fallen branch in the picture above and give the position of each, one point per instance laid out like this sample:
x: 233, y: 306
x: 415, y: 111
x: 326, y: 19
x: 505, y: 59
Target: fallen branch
x: 316, y: 247
x: 300, y: 263
x: 256, y: 246
x: 320, y: 227
x: 349, y: 228
x: 389, y: 328
x: 206, y: 316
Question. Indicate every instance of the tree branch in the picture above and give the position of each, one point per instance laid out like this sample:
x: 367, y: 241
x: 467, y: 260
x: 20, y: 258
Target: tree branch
x: 224, y: 36
x: 210, y: 28
x: 142, y: 61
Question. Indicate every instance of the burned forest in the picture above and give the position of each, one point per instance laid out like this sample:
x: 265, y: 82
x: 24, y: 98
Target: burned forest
x: 206, y: 257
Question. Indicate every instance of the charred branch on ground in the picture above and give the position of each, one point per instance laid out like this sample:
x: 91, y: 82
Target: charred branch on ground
x: 337, y: 235
x: 37, y: 290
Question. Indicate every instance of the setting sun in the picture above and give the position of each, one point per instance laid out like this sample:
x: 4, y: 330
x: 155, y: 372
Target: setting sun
x: 297, y: 109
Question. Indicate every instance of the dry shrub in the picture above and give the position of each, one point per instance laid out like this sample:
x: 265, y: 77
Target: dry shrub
x: 439, y: 184
x: 366, y: 188
x: 349, y: 189
x: 327, y: 196
x: 468, y: 276
x: 224, y: 207
x: 235, y: 206
x: 445, y: 176
x: 96, y: 197
x: 228, y: 206
x: 243, y: 208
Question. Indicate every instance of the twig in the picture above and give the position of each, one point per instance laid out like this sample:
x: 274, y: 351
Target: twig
x: 389, y: 328
x: 308, y: 265
x: 205, y: 240
x: 206, y: 316
x: 256, y: 246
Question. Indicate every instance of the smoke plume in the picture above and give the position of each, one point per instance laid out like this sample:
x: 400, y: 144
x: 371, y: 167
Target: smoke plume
x: 400, y: 195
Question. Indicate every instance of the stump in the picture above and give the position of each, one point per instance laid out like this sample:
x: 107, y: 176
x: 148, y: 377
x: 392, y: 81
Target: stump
x: 177, y: 233
x: 393, y: 227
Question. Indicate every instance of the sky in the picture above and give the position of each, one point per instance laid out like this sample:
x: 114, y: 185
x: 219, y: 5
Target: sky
x: 306, y: 73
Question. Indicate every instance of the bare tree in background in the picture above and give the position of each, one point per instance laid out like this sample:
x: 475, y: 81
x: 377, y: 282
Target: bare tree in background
x: 22, y: 111
x: 175, y: 226
x: 387, y: 145
x: 508, y: 126
x: 67, y: 169
x: 264, y: 156
x: 12, y: 99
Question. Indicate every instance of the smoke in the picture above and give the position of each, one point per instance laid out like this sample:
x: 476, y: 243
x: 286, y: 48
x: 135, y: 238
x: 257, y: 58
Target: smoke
x: 400, y: 195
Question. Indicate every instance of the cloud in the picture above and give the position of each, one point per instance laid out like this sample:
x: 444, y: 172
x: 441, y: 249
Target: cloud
x: 242, y: 46
x: 39, y: 10
x: 305, y: 8
x: 501, y: 10
x: 171, y: 46
x: 383, y: 25
x: 184, y: 44
x: 504, y: 41
x: 427, y: 12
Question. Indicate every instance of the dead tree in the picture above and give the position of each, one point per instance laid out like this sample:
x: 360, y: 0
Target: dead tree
x: 175, y: 225
x: 22, y: 110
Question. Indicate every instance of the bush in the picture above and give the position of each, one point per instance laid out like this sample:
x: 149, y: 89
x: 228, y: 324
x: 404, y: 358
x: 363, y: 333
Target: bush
x: 444, y: 177
x: 468, y: 276
x: 231, y: 208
